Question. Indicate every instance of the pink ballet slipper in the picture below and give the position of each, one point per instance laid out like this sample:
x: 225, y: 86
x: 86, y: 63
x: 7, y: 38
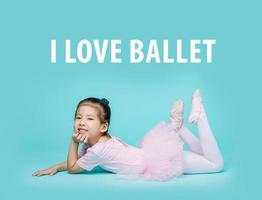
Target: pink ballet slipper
x: 176, y: 115
x: 198, y: 110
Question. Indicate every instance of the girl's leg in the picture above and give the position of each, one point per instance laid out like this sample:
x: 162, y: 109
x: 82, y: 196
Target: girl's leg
x: 208, y: 141
x: 211, y: 160
x: 177, y: 125
x: 197, y: 164
x: 191, y: 140
x: 206, y: 156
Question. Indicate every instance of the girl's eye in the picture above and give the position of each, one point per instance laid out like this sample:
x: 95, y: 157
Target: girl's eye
x: 90, y: 118
x: 78, y: 117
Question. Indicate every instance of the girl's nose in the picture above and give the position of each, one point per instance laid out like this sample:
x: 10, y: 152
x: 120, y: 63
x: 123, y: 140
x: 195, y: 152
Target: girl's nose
x: 81, y: 122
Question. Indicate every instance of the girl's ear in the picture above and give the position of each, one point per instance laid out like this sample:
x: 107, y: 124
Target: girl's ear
x: 104, y: 127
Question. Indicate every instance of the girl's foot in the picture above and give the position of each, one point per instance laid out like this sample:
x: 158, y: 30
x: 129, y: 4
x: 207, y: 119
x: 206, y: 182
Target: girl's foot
x: 176, y: 115
x: 198, y: 110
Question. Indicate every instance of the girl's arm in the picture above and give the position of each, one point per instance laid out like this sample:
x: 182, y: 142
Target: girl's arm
x: 62, y: 166
x: 52, y: 170
x: 71, y: 160
x: 72, y: 157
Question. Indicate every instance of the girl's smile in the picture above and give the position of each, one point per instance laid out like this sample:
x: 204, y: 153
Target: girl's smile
x: 82, y: 130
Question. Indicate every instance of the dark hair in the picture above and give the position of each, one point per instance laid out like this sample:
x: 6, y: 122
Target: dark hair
x: 105, y: 115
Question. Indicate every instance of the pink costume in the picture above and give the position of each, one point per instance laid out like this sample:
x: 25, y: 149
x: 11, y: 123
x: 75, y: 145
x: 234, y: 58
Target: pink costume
x: 158, y: 157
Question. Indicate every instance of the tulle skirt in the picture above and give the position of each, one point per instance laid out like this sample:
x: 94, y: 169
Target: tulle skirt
x: 163, y: 154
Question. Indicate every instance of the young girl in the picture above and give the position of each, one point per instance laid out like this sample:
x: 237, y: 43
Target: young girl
x: 160, y: 155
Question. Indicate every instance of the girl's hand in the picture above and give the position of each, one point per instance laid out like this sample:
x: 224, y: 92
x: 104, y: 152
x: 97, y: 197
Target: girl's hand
x: 50, y: 171
x: 80, y: 138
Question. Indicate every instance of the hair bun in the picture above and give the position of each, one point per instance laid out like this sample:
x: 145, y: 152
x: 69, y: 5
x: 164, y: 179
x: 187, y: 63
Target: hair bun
x: 104, y: 100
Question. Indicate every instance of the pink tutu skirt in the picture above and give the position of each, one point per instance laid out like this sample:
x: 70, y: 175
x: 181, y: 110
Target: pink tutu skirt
x: 163, y: 154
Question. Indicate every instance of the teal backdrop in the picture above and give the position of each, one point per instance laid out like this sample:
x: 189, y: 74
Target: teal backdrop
x: 38, y: 99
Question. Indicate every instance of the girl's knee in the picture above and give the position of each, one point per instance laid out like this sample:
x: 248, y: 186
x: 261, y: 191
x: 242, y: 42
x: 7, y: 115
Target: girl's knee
x: 219, y: 166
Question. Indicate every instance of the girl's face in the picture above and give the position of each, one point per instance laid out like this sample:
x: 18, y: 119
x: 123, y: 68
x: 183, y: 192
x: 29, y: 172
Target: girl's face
x: 87, y: 122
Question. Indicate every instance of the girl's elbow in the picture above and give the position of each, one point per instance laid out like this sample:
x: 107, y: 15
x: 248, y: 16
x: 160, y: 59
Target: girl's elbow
x: 74, y: 170
x: 70, y: 171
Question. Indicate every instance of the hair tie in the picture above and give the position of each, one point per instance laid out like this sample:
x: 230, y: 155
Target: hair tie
x: 105, y: 101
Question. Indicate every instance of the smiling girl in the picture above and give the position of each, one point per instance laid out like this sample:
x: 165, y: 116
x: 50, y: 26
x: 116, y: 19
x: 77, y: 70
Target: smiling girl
x: 160, y: 155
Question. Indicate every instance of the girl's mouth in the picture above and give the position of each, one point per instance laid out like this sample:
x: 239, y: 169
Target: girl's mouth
x: 82, y: 130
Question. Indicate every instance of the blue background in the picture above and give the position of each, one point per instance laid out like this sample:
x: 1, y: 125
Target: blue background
x: 38, y: 99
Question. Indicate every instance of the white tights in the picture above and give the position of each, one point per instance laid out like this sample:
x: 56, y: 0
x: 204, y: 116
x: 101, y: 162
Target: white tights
x: 205, y: 156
